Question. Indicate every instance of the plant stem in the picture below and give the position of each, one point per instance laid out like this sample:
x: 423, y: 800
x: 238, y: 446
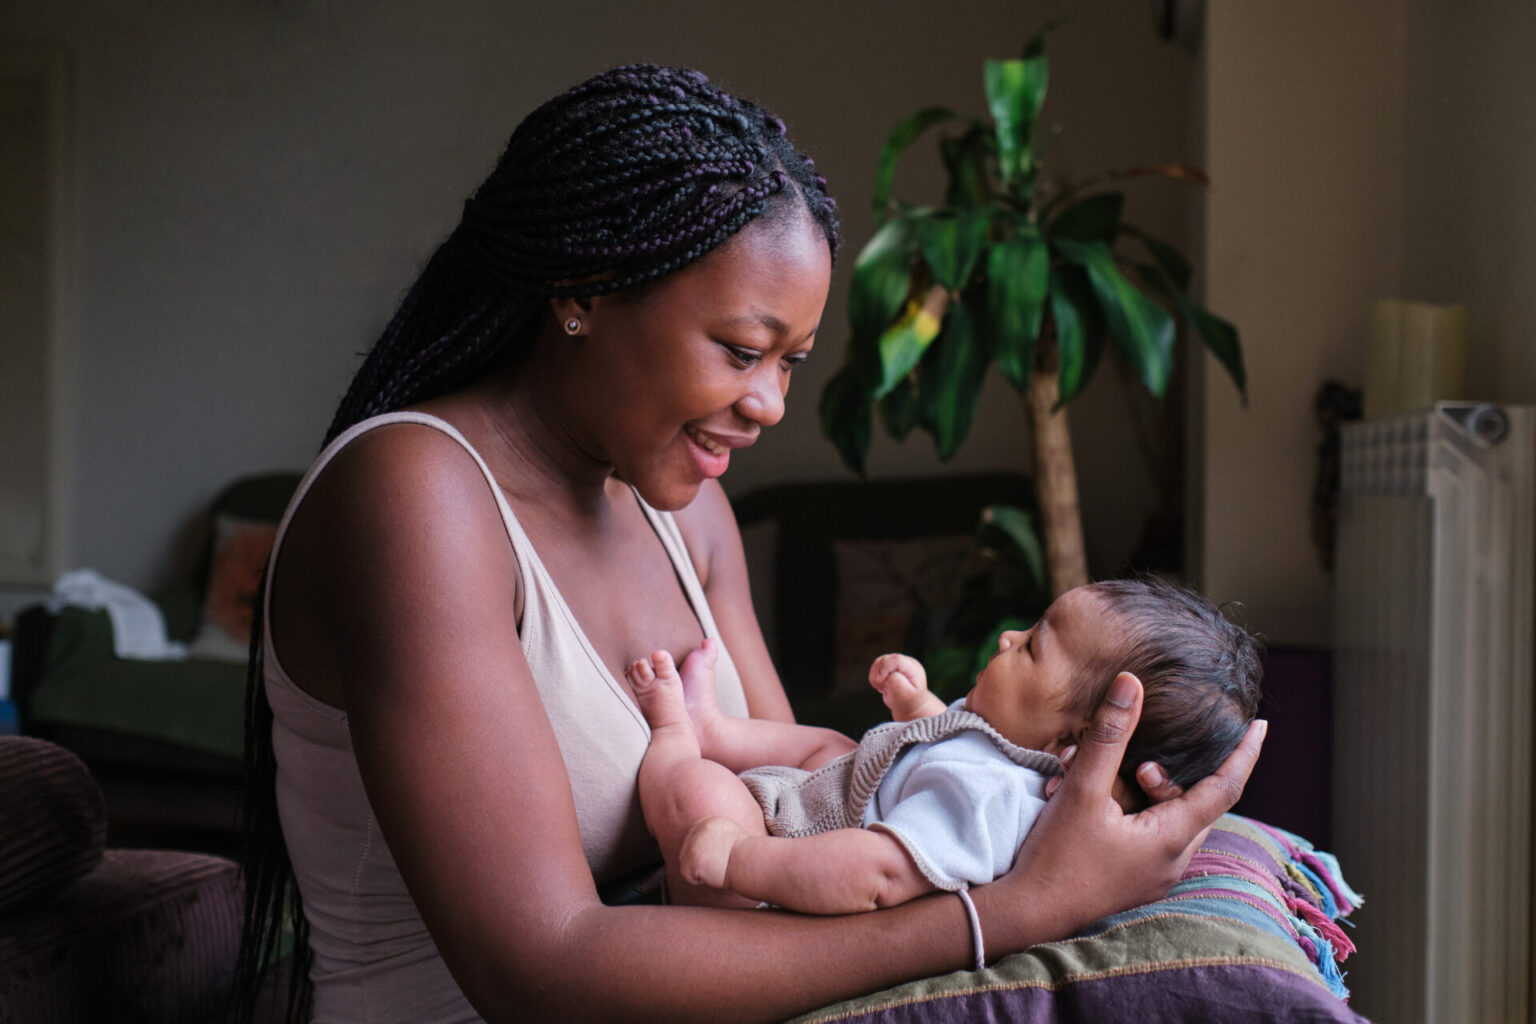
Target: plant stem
x: 1056, y: 477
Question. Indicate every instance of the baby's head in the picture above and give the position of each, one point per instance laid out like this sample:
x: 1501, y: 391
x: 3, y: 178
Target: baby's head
x: 1199, y: 672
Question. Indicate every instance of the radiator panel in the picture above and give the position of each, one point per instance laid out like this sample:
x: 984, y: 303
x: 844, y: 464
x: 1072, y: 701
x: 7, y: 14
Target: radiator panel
x: 1433, y: 714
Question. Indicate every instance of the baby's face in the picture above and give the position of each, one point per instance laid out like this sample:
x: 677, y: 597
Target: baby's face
x: 1023, y: 692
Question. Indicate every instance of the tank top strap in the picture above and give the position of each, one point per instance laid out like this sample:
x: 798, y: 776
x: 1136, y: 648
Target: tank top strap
x: 520, y: 543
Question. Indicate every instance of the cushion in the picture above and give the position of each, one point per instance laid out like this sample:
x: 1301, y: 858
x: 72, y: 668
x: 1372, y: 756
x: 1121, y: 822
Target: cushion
x: 53, y: 821
x: 240, y: 550
x: 881, y: 584
x: 148, y: 936
x: 1251, y: 933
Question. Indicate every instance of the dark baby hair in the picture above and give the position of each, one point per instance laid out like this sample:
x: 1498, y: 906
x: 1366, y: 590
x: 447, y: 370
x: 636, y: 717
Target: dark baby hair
x: 1199, y: 671
x: 626, y: 178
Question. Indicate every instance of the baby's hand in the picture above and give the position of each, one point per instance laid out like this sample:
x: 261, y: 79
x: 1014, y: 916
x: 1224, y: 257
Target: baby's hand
x: 902, y: 682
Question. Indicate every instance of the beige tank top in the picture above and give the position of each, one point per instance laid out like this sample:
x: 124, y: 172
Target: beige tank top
x: 373, y: 958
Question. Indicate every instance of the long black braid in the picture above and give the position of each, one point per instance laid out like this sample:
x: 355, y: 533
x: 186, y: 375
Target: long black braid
x: 628, y: 177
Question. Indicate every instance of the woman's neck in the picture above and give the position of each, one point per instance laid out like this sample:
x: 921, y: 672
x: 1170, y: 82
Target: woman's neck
x: 515, y: 416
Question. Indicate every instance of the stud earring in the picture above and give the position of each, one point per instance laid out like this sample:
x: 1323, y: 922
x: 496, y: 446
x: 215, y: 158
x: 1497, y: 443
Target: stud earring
x: 573, y: 325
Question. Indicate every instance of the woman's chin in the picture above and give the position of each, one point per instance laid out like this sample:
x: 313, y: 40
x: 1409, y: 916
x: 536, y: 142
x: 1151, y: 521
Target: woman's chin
x: 668, y: 496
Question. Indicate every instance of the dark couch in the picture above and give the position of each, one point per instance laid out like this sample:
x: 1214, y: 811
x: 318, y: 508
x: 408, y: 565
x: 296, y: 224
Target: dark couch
x: 94, y: 934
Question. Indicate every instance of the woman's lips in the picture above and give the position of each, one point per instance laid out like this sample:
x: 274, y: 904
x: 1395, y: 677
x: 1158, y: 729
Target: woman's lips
x: 711, y: 456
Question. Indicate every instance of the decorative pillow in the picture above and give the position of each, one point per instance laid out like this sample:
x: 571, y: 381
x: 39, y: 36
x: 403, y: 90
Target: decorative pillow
x: 880, y: 586
x: 1250, y: 934
x: 53, y: 821
x: 240, y: 550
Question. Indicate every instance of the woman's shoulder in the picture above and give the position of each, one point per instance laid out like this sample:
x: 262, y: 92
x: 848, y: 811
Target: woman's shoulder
x: 400, y: 457
x: 402, y: 481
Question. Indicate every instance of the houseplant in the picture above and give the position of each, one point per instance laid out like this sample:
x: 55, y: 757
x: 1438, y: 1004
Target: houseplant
x: 1007, y: 271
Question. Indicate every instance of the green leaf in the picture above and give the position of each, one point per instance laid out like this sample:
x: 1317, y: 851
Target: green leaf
x: 1094, y: 219
x: 904, y: 342
x: 903, y: 135
x: 1222, y: 339
x: 1219, y: 336
x: 951, y: 379
x: 1018, y: 275
x: 1169, y: 259
x: 882, y: 277
x: 1015, y: 92
x: 1143, y: 330
x: 899, y: 409
x: 966, y: 164
x: 952, y: 244
x: 1079, y: 330
x: 1019, y: 527
x: 845, y: 414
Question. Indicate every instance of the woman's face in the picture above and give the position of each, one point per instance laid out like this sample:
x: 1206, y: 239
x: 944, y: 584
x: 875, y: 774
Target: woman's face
x: 679, y: 377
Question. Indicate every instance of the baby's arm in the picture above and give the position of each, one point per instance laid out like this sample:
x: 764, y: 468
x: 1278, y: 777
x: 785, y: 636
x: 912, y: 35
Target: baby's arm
x: 903, y: 683
x: 844, y: 871
x: 737, y: 743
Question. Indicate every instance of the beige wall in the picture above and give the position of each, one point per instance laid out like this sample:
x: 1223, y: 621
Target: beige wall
x: 1305, y: 120
x: 1470, y: 235
x: 1360, y: 151
x: 258, y: 179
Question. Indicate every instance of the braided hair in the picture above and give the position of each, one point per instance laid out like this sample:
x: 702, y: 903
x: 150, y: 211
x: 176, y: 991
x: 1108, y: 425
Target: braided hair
x: 625, y: 179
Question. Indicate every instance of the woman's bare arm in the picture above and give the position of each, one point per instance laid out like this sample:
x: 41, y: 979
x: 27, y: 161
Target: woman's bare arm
x: 464, y: 774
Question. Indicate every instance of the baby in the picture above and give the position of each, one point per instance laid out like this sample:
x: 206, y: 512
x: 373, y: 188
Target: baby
x: 942, y: 797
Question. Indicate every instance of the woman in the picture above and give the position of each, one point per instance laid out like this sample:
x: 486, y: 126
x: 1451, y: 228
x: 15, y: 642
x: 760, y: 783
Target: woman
x: 438, y: 702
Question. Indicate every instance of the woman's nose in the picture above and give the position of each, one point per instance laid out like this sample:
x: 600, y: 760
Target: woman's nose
x: 1007, y: 638
x: 764, y: 401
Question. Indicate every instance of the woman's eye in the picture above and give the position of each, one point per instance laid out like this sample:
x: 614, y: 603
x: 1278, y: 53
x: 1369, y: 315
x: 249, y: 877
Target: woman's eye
x: 744, y: 356
x: 1029, y: 643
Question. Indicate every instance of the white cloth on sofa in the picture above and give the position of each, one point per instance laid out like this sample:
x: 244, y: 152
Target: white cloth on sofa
x: 138, y: 628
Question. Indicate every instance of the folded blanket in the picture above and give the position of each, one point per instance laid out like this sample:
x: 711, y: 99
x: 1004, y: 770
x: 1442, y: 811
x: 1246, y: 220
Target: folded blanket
x: 1251, y: 933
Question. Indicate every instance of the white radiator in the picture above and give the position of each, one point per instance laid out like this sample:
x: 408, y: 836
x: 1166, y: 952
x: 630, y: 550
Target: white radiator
x: 1433, y: 711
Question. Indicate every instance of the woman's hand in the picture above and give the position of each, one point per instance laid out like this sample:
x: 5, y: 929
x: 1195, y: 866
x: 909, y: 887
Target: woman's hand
x: 1086, y: 858
x: 1156, y: 786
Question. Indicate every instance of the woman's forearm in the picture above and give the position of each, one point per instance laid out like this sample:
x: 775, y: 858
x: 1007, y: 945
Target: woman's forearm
x: 695, y: 964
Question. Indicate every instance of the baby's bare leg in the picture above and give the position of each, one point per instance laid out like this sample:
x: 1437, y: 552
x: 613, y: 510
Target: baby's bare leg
x: 844, y: 871
x: 677, y: 786
x: 742, y: 743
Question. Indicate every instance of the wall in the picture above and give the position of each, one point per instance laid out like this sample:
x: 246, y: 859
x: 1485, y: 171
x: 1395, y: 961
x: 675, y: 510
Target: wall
x: 258, y: 180
x: 1470, y: 233
x: 1305, y: 122
x: 1360, y: 151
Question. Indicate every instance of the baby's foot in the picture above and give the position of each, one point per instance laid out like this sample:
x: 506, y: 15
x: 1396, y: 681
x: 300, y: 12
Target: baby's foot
x: 698, y: 679
x: 706, y: 851
x: 658, y: 690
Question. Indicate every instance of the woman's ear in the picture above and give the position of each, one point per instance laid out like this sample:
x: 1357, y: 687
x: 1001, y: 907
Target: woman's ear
x: 571, y: 314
